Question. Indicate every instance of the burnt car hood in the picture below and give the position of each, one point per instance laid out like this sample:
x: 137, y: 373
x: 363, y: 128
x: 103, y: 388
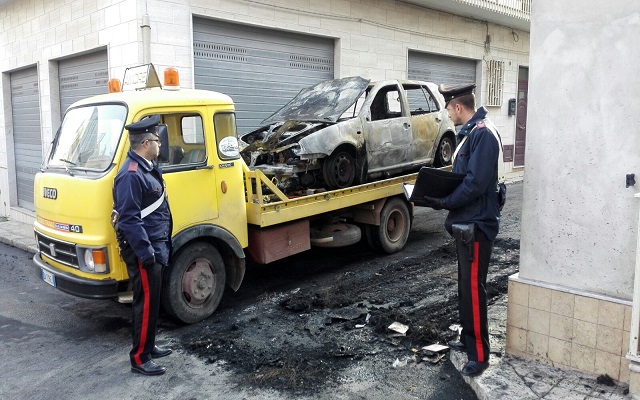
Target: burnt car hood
x: 323, y: 102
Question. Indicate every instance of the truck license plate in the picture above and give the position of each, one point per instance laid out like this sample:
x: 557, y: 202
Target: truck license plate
x: 48, y: 277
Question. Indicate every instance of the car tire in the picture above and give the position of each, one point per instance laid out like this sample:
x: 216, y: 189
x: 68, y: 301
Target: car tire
x: 194, y: 283
x: 339, y: 170
x: 444, y: 153
x: 335, y: 235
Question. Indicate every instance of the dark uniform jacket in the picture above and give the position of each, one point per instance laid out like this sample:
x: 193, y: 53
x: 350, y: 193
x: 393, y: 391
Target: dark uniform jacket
x: 138, y: 185
x: 475, y: 200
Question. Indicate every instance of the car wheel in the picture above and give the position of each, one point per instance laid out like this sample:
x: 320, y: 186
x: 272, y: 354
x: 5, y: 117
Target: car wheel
x: 194, y: 284
x: 444, y: 154
x: 339, y: 170
x: 335, y: 235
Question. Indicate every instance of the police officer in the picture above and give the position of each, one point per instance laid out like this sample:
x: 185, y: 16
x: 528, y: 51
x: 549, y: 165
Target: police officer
x: 144, y: 234
x: 473, y: 220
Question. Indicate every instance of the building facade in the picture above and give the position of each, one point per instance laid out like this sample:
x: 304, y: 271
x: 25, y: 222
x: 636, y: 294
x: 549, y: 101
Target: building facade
x: 260, y: 52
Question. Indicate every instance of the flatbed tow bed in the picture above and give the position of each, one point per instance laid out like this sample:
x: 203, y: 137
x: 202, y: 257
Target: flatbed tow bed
x: 267, y: 210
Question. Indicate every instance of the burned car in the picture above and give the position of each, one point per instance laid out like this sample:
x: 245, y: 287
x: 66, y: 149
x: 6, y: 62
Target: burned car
x: 348, y: 131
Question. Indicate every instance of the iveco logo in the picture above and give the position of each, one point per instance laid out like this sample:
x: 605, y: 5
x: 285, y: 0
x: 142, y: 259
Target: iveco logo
x: 52, y: 249
x: 50, y: 193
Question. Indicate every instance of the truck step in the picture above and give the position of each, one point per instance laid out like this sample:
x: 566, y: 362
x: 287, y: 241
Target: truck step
x: 125, y: 297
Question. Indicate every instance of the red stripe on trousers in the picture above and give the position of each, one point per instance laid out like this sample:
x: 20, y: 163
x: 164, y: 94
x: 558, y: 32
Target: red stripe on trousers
x: 145, y: 313
x: 475, y: 301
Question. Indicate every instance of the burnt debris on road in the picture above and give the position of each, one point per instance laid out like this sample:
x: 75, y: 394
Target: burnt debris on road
x: 302, y: 338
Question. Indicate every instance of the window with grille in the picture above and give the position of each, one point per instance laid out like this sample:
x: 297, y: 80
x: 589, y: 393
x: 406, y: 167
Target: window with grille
x: 496, y: 78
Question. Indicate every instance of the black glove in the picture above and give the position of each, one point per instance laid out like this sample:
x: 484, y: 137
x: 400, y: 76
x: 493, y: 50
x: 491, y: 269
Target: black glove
x: 149, y: 262
x: 437, y: 203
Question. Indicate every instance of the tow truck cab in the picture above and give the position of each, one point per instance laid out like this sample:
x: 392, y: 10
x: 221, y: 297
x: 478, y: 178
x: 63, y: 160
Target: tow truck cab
x: 77, y: 248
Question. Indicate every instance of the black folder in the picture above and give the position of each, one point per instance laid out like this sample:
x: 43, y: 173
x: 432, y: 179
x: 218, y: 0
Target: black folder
x: 434, y: 182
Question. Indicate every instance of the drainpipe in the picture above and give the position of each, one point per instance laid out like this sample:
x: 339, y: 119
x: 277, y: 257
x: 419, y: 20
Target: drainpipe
x: 634, y: 354
x: 146, y: 40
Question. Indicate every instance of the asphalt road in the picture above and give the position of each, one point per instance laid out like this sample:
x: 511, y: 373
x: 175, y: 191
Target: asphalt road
x: 54, y: 345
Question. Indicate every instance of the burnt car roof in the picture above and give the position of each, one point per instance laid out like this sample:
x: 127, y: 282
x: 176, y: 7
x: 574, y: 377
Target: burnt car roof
x: 323, y: 102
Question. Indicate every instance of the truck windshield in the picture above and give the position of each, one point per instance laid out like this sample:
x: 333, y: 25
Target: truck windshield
x: 88, y: 137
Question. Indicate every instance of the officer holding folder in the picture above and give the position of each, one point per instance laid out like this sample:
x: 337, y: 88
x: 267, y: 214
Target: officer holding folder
x: 473, y: 220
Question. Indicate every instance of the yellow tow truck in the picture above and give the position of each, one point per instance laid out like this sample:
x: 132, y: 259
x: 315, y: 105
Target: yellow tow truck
x: 223, y: 212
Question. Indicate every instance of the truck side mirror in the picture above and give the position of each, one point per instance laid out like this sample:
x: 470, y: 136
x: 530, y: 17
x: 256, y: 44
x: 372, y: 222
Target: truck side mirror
x: 163, y: 135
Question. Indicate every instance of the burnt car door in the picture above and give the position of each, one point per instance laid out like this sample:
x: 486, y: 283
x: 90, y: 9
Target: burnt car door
x: 387, y: 128
x: 425, y: 122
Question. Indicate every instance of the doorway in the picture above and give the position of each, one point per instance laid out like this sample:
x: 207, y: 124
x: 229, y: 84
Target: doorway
x: 521, y: 117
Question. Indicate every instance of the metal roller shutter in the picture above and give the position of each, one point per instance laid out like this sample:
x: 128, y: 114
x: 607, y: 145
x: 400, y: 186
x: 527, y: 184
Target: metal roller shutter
x: 261, y: 69
x: 441, y: 69
x: 27, y: 139
x: 82, y: 76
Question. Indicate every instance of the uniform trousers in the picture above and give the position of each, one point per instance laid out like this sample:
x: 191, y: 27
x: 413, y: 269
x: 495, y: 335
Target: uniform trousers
x: 472, y: 295
x: 147, y: 284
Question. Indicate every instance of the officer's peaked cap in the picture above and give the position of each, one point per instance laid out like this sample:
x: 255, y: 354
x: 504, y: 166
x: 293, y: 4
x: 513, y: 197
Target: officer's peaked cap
x: 145, y: 125
x: 450, y: 92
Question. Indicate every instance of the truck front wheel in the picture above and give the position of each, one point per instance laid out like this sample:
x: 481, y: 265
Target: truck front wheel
x: 395, y: 223
x: 194, y: 283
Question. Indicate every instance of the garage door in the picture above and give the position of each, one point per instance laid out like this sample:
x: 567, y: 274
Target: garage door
x: 27, y: 140
x: 441, y: 69
x: 261, y: 69
x: 82, y: 76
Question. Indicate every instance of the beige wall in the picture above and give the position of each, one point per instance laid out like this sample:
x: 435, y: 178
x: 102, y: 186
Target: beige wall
x: 568, y: 329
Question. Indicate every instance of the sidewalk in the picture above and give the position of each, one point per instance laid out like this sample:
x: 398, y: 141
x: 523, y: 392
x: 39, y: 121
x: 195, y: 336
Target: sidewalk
x: 18, y: 234
x: 507, y: 377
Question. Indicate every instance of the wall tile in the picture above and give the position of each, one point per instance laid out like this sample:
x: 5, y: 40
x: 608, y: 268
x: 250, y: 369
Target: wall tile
x: 583, y: 357
x: 624, y: 370
x: 584, y: 333
x: 517, y: 315
x: 539, y: 298
x: 518, y: 293
x: 607, y: 363
x: 516, y: 339
x: 610, y: 314
x: 538, y: 321
x: 586, y: 309
x: 560, y: 351
x: 562, y: 303
x: 561, y: 327
x: 537, y: 344
x: 627, y: 318
x: 609, y: 339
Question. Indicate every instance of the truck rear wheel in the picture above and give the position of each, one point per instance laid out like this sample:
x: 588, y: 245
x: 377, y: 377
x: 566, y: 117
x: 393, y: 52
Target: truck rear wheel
x: 392, y: 233
x: 194, y: 284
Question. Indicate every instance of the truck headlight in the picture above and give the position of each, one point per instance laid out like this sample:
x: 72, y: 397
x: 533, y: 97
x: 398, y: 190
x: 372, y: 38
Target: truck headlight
x: 93, y: 260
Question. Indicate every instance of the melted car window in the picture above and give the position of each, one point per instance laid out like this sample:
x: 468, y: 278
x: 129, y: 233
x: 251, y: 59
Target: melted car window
x: 420, y: 100
x: 386, y: 104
